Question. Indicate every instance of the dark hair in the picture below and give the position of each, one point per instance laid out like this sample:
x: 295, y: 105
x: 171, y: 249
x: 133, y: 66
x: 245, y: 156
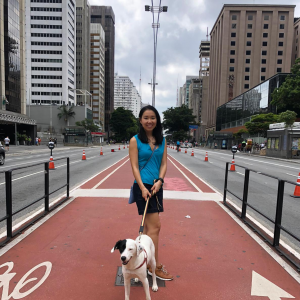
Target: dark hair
x: 157, y: 131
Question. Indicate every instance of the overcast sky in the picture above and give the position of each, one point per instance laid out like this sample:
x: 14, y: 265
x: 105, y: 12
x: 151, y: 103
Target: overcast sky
x: 181, y: 30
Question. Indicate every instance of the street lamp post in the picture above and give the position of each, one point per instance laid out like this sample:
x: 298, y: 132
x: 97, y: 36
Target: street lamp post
x: 155, y: 26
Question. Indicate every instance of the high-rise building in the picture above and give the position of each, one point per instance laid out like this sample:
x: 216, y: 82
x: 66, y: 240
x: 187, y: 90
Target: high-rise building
x: 97, y: 71
x: 105, y: 16
x: 195, y: 105
x: 126, y: 95
x: 296, y: 43
x: 50, y: 50
x: 83, y: 47
x: 249, y: 43
x: 187, y: 89
x: 204, y: 55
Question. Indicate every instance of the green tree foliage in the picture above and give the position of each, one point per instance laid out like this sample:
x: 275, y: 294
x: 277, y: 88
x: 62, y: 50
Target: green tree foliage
x: 177, y: 121
x: 66, y: 112
x: 288, y: 117
x: 288, y: 94
x: 238, y: 135
x: 123, y: 124
x: 260, y: 124
x: 88, y: 124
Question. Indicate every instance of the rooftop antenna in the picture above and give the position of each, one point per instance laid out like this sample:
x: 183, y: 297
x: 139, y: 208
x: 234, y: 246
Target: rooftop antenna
x: 207, y: 34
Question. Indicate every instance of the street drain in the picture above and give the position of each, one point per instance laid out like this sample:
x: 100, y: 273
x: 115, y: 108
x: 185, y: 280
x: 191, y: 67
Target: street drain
x: 120, y: 280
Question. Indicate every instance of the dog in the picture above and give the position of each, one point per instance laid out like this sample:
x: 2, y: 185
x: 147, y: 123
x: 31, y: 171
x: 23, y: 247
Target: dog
x: 135, y: 255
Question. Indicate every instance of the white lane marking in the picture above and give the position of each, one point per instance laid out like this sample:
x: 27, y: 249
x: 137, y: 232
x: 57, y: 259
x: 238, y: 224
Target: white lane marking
x: 248, y: 164
x: 241, y: 173
x: 109, y: 174
x: 292, y: 175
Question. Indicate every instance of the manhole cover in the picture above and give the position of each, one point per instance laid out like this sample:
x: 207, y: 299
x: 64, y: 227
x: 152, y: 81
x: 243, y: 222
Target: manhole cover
x: 120, y: 280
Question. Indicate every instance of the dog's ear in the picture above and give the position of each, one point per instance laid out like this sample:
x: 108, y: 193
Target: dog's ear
x: 117, y: 246
x: 139, y: 248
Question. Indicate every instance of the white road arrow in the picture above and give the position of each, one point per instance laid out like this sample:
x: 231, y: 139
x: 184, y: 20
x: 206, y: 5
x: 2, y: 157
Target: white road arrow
x: 263, y: 287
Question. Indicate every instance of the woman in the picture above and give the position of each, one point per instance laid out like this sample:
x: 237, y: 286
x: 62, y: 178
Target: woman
x: 150, y: 179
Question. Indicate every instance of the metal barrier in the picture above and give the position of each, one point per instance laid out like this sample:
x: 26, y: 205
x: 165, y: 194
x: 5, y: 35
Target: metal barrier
x: 278, y: 216
x: 8, y: 186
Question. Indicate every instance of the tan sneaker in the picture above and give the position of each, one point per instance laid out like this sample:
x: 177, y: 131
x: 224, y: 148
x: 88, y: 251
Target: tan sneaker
x: 161, y: 273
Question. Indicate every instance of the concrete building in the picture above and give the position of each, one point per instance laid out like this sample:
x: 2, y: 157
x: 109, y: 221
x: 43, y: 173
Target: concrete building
x: 204, y: 55
x: 13, y: 117
x: 97, y: 71
x: 296, y: 43
x: 249, y: 43
x: 83, y: 49
x: 126, y: 95
x: 195, y: 105
x: 50, y: 51
x: 187, y: 89
x: 105, y: 16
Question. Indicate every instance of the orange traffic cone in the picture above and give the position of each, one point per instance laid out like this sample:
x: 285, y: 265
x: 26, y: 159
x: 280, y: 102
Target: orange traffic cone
x: 206, y: 157
x: 124, y: 147
x: 51, y: 164
x: 101, y: 153
x: 192, y: 152
x: 179, y: 149
x: 232, y: 167
x: 83, y: 155
x: 185, y: 151
x: 297, y: 188
x: 119, y: 147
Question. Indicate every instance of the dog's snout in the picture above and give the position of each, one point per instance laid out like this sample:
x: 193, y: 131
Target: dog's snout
x: 123, y: 258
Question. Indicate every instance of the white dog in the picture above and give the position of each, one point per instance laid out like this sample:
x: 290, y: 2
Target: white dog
x: 135, y: 255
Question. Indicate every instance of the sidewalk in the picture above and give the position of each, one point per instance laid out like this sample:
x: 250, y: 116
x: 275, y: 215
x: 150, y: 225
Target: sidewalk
x: 210, y: 254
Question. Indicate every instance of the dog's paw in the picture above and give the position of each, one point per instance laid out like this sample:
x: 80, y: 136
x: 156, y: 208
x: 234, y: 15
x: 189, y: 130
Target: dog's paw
x: 136, y: 280
x: 154, y: 288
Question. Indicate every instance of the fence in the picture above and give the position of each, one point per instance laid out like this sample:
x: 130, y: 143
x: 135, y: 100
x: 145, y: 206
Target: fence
x: 278, y: 216
x: 8, y: 187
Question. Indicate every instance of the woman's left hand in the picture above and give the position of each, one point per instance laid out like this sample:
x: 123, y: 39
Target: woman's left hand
x: 156, y: 186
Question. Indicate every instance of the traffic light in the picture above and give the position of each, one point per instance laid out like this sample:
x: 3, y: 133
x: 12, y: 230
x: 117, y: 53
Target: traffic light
x: 147, y: 7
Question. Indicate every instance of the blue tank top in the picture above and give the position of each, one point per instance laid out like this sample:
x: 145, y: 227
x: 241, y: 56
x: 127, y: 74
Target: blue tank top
x: 151, y: 171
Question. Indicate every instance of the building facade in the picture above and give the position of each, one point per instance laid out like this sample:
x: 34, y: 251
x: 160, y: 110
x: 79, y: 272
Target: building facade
x: 249, y: 43
x: 188, y: 81
x: 195, y: 105
x: 204, y: 55
x: 97, y: 71
x: 126, y: 95
x: 50, y: 51
x: 105, y: 16
x: 296, y: 43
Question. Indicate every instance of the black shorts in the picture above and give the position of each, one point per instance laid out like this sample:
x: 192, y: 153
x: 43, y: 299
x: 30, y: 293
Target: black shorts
x: 155, y: 204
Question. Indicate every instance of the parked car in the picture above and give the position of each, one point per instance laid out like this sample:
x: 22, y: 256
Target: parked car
x: 190, y: 145
x: 2, y: 155
x: 183, y: 145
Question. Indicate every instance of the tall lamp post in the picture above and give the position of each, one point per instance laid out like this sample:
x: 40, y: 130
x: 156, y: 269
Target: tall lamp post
x: 155, y: 26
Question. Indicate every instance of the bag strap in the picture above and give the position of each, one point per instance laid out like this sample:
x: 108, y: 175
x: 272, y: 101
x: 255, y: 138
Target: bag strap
x: 148, y: 159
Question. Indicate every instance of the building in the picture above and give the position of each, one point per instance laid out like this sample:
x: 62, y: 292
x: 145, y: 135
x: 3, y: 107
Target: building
x: 83, y: 50
x: 97, y: 71
x: 50, y: 51
x: 126, y: 95
x: 105, y: 16
x: 204, y: 55
x: 249, y: 43
x: 195, y: 105
x: 296, y: 43
x: 187, y: 89
x: 13, y: 117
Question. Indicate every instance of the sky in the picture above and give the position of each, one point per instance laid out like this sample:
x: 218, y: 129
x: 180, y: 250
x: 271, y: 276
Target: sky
x: 181, y: 30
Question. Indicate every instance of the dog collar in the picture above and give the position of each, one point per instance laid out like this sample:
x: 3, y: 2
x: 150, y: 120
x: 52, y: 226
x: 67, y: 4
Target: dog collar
x: 145, y: 261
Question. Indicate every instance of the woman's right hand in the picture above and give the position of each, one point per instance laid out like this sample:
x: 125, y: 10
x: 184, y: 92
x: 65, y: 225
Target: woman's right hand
x: 145, y: 193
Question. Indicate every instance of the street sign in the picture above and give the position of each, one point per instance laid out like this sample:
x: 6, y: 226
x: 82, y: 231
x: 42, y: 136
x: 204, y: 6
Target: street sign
x: 193, y: 126
x: 234, y: 149
x: 51, y: 145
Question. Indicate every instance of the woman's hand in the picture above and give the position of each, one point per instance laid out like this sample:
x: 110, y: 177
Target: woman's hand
x: 145, y: 193
x: 156, y: 186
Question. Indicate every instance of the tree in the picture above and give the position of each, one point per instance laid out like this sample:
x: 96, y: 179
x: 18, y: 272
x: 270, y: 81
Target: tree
x: 288, y: 94
x: 88, y: 125
x: 123, y: 124
x: 177, y: 121
x: 260, y: 123
x: 66, y: 112
x: 238, y: 135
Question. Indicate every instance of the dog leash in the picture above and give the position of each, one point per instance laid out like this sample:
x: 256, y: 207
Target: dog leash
x: 144, y: 216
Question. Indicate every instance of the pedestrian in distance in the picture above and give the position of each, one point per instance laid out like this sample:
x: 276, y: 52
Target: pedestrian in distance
x: 36, y: 141
x: 178, y: 145
x: 148, y: 153
x: 39, y: 141
x: 6, y: 143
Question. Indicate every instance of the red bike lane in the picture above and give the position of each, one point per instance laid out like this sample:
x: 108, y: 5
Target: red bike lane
x: 210, y: 255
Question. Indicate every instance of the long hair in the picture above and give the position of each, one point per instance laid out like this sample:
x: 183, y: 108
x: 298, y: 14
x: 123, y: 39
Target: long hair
x: 157, y: 131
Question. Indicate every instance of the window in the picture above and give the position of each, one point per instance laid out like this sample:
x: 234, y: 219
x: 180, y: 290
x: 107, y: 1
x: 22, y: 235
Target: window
x: 280, y: 52
x: 263, y: 52
x: 246, y: 77
x: 281, y: 35
x: 232, y: 43
x: 281, y: 26
x: 246, y: 86
x: 247, y: 60
x: 231, y: 69
x: 265, y: 34
x: 248, y: 43
x: 232, y: 52
x: 250, y: 17
x: 232, y: 60
x: 249, y: 34
x: 266, y: 26
x: 279, y: 61
x: 280, y: 43
x: 266, y: 17
x: 263, y: 70
x: 233, y: 17
x: 247, y: 69
x: 262, y: 78
x: 233, y: 25
x: 248, y: 52
x: 282, y: 18
x: 263, y: 61
x: 249, y: 26
x: 265, y: 43
x: 279, y: 70
x: 233, y: 34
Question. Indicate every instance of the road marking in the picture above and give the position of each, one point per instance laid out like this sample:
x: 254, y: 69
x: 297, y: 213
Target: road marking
x: 241, y: 173
x: 292, y: 175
